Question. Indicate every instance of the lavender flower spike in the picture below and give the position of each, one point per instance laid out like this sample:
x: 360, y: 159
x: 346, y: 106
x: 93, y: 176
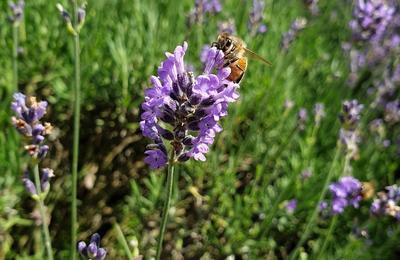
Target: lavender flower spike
x: 27, y: 121
x: 346, y: 192
x: 17, y: 12
x: 184, y: 110
x: 93, y: 250
x: 387, y: 202
x: 201, y: 8
x: 298, y: 25
x: 291, y: 206
x: 256, y: 18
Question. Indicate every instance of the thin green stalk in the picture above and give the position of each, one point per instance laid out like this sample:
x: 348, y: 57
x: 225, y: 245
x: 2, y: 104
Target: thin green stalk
x: 314, y: 215
x: 328, y: 236
x: 15, y: 56
x: 122, y: 240
x: 45, y: 226
x: 75, y: 149
x: 170, y: 186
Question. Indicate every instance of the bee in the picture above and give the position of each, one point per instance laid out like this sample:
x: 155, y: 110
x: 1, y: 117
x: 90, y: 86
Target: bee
x: 235, y: 55
x: 367, y: 190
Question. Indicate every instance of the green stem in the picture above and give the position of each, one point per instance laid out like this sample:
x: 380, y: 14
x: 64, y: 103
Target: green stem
x: 15, y: 57
x: 314, y: 215
x: 122, y: 240
x: 75, y: 149
x: 45, y: 226
x: 327, y: 238
x: 170, y: 186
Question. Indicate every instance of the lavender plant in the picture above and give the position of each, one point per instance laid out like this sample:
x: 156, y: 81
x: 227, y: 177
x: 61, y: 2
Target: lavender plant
x: 256, y: 23
x: 181, y: 114
x: 227, y: 26
x: 74, y: 27
x: 387, y: 202
x: 28, y: 113
x: 201, y: 8
x: 287, y: 38
x: 93, y: 249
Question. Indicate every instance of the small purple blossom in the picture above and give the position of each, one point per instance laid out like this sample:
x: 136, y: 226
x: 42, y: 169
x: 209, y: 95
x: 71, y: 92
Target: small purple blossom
x: 306, y: 174
x: 291, y: 206
x: 351, y: 114
x: 27, y: 121
x: 302, y: 117
x: 392, y: 112
x: 387, y: 202
x: 287, y: 38
x: 201, y: 8
x: 93, y: 250
x: 256, y: 23
x: 312, y: 6
x: 184, y: 110
x: 371, y: 18
x: 227, y: 26
x: 17, y: 12
x: 346, y: 192
x: 29, y: 185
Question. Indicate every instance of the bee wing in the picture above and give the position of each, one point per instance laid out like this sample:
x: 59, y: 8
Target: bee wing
x: 253, y: 55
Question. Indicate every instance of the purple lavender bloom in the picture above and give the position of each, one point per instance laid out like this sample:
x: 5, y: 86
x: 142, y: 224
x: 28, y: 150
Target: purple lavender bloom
x: 306, y: 174
x: 17, y: 12
x: 29, y: 185
x: 351, y: 114
x: 227, y: 27
x: 287, y: 38
x: 291, y: 206
x: 302, y: 117
x: 387, y: 202
x: 256, y: 18
x: 312, y: 6
x: 27, y: 121
x: 185, y: 110
x: 201, y: 8
x: 93, y: 250
x: 392, y: 112
x: 346, y: 192
x: 371, y: 18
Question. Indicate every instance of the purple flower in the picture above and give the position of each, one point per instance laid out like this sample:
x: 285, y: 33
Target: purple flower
x: 185, y: 110
x: 371, y: 18
x: 29, y: 185
x: 306, y: 174
x: 387, y: 202
x: 17, y: 12
x: 93, y: 250
x: 27, y: 121
x: 227, y: 27
x: 256, y: 18
x: 291, y: 206
x: 346, y: 192
x: 302, y: 117
x: 312, y: 6
x: 287, y: 38
x: 392, y: 112
x: 351, y: 114
x: 201, y: 8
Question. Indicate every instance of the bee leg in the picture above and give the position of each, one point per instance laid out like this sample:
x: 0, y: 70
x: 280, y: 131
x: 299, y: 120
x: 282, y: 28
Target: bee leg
x: 228, y: 61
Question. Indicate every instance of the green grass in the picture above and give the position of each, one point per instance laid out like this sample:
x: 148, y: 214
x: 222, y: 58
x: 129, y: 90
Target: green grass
x: 233, y: 204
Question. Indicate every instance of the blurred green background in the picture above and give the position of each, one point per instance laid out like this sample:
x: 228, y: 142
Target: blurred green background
x: 232, y: 205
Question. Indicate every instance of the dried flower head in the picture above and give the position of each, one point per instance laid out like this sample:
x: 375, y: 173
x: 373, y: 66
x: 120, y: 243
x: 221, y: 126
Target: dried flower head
x: 185, y: 110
